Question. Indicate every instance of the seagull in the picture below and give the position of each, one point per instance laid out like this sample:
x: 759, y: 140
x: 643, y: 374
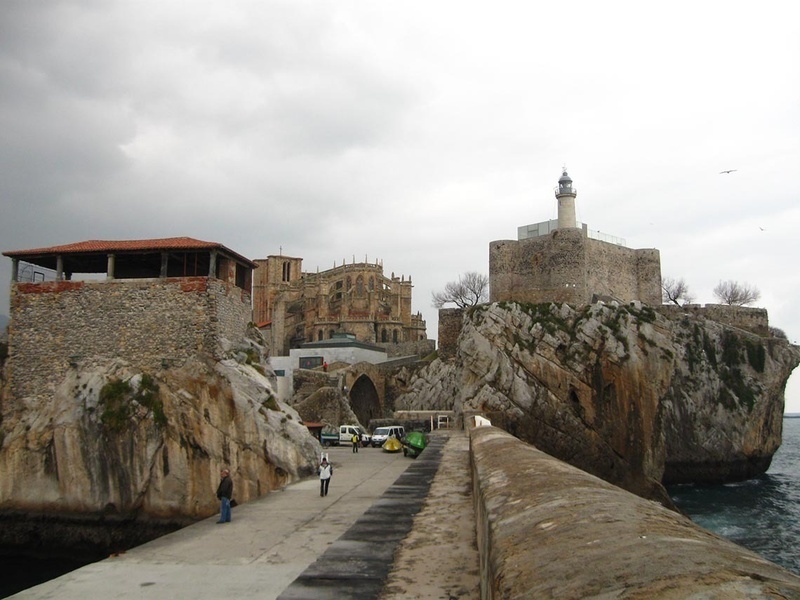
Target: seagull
x: 728, y: 171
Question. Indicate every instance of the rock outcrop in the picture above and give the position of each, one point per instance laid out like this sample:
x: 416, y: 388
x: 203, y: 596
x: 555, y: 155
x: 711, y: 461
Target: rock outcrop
x: 622, y: 392
x: 329, y: 406
x: 114, y: 441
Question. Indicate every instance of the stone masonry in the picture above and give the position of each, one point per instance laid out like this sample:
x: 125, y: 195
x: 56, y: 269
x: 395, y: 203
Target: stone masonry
x: 152, y: 323
x: 297, y: 307
x: 567, y: 266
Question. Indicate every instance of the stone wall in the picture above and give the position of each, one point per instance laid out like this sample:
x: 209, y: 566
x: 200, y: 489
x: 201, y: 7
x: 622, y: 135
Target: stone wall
x: 622, y: 272
x: 755, y: 320
x: 544, y: 269
x: 548, y: 530
x: 566, y: 266
x: 152, y: 323
x: 450, y: 323
x: 419, y: 348
x: 230, y: 312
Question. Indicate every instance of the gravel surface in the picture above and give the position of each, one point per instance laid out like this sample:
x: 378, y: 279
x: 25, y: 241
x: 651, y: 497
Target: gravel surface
x: 439, y: 558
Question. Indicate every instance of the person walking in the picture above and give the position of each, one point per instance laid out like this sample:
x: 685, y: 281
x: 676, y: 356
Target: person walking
x: 355, y: 441
x: 225, y: 493
x: 325, y: 471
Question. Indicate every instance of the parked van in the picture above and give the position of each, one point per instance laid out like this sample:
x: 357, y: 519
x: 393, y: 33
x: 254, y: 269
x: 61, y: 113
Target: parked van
x: 346, y: 433
x: 381, y: 434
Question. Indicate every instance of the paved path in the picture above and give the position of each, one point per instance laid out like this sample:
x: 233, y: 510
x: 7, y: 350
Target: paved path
x: 276, y: 540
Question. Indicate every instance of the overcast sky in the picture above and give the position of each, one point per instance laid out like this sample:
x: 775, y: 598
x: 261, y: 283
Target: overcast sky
x: 411, y: 132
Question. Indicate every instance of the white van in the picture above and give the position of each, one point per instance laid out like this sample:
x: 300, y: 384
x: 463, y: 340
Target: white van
x: 346, y: 433
x: 381, y: 434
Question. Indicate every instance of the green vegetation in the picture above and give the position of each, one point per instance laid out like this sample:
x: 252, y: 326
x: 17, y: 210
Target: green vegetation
x: 646, y: 340
x: 253, y: 357
x: 710, y: 350
x: 271, y: 403
x: 114, y: 398
x: 734, y: 385
x: 756, y: 355
x: 476, y: 313
x: 117, y: 399
x: 695, y: 350
x: 731, y: 350
x: 613, y: 320
x: 646, y: 314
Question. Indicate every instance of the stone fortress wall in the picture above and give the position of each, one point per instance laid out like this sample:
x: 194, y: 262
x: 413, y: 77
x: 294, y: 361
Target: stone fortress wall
x: 152, y: 323
x: 415, y: 348
x: 567, y: 266
x: 754, y: 320
x: 450, y: 322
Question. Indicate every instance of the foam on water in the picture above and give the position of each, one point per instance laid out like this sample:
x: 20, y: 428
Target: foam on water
x: 762, y: 514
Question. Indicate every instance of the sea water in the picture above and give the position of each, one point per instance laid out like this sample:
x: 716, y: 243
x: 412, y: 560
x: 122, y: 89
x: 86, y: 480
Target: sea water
x: 761, y: 514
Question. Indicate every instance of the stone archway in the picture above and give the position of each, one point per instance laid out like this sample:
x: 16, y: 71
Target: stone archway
x: 365, y: 401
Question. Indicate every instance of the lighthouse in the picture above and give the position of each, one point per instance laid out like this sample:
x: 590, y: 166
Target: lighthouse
x: 565, y: 194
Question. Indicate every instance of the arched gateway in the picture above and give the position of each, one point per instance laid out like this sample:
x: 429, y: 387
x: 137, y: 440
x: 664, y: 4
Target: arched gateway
x: 366, y: 385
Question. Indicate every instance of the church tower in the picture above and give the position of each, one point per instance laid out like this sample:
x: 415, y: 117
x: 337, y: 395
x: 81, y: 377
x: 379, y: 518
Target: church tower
x: 565, y: 194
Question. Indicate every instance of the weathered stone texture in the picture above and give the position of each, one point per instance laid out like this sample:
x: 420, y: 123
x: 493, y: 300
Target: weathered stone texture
x: 153, y: 323
x: 450, y: 321
x: 418, y: 348
x: 64, y: 454
x: 743, y: 317
x: 548, y: 530
x: 354, y: 298
x: 619, y: 391
x: 567, y: 266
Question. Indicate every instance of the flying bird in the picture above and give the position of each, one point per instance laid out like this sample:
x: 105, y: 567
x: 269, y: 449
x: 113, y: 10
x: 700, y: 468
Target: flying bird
x: 728, y: 171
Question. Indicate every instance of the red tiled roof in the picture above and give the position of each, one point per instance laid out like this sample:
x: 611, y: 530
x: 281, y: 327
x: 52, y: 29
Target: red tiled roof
x: 105, y: 246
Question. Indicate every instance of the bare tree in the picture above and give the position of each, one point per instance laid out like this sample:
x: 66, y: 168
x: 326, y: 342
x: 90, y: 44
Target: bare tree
x: 471, y: 288
x: 777, y: 333
x: 675, y: 291
x: 734, y: 293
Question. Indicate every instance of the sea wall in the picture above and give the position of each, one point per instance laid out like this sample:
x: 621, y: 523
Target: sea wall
x: 546, y: 530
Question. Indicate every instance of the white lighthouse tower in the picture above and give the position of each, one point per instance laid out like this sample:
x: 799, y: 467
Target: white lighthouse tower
x: 565, y: 194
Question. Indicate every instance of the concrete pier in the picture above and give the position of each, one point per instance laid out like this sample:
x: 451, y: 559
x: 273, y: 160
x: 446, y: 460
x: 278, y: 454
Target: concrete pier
x: 477, y: 515
x: 270, y: 542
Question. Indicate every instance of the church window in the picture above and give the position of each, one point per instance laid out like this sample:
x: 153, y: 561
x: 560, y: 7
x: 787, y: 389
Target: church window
x: 371, y: 284
x: 360, y: 285
x: 319, y: 335
x: 287, y: 270
x: 349, y: 283
x: 394, y: 336
x: 384, y: 336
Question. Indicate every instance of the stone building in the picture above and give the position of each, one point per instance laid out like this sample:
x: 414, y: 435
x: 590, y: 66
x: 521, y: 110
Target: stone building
x: 294, y: 307
x: 564, y: 261
x: 154, y: 303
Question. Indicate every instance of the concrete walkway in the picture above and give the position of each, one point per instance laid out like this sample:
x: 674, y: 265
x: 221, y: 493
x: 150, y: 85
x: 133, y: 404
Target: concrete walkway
x: 276, y: 540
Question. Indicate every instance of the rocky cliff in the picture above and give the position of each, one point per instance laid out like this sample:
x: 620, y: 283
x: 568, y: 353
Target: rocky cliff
x: 628, y: 394
x: 114, y: 442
